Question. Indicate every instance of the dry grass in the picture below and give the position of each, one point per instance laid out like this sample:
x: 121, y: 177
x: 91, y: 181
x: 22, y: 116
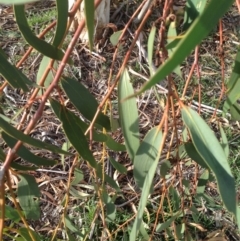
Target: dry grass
x: 92, y: 71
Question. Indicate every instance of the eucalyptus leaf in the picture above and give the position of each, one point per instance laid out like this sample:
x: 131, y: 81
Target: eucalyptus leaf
x: 128, y: 115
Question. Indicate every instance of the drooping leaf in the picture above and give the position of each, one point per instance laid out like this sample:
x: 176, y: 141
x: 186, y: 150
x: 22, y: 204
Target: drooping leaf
x: 42, y: 68
x: 13, y: 76
x: 84, y: 126
x: 233, y: 86
x: 224, y: 142
x: 119, y: 167
x: 192, y: 11
x: 110, y: 207
x: 84, y: 101
x: 71, y: 226
x: 235, y: 111
x: 113, y: 145
x: 25, y: 234
x: 28, y: 195
x: 114, y: 38
x: 10, y: 130
x: 12, y: 214
x: 172, y: 33
x: 128, y: 115
x: 151, y: 48
x: 37, y: 43
x: 89, y: 14
x: 213, y: 155
x: 146, y: 155
x: 27, y: 155
x: 202, y: 182
x: 145, y: 192
x: 175, y: 198
x: 162, y: 226
x: 73, y: 132
x: 199, y: 29
x: 78, y: 176
x: 22, y: 167
x: 62, y: 17
x: 194, y: 155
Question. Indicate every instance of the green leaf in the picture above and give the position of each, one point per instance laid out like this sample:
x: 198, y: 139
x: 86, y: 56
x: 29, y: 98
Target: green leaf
x: 78, y: 176
x: 25, y: 234
x: 235, y: 112
x: 84, y: 101
x: 233, y: 86
x: 194, y: 155
x: 145, y: 191
x: 42, y: 68
x: 110, y: 207
x: 62, y: 20
x: 73, y: 132
x: 162, y: 226
x: 202, y: 182
x: 200, y: 28
x: 146, y: 155
x: 113, y: 145
x: 89, y: 13
x: 13, y: 75
x: 175, y: 198
x: 22, y: 168
x: 39, y: 44
x: 12, y: 214
x: 24, y: 153
x: 151, y: 48
x: 172, y: 32
x: 119, y: 167
x: 192, y: 11
x: 128, y: 115
x: 28, y: 195
x: 2, y: 154
x: 95, y: 135
x: 224, y: 142
x: 165, y: 167
x: 114, y: 38
x: 70, y: 225
x: 10, y: 130
x: 212, y: 153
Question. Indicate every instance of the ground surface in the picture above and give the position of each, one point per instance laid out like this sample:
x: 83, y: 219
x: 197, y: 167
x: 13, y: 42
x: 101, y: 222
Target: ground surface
x: 212, y: 221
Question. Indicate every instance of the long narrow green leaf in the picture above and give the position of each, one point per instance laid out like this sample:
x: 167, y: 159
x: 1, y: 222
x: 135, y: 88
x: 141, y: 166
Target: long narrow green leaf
x: 73, y: 132
x: 128, y: 115
x: 39, y: 44
x: 13, y: 76
x: 151, y: 48
x: 89, y: 14
x: 62, y: 16
x: 28, y: 195
x: 172, y: 32
x: 113, y: 145
x: 24, y: 153
x: 95, y: 135
x: 192, y: 11
x: 29, y: 140
x: 146, y: 155
x: 212, y: 153
x: 42, y: 68
x: 233, y: 86
x: 84, y: 101
x: 146, y: 190
x: 25, y: 234
x: 200, y: 28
